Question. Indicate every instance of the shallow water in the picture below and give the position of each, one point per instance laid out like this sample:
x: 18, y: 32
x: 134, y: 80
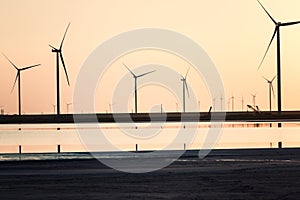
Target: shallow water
x: 45, y: 138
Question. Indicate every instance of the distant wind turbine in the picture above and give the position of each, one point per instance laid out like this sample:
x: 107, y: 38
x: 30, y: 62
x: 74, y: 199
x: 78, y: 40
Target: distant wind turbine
x: 221, y: 99
x: 184, y: 87
x: 271, y: 90
x: 242, y: 103
x: 68, y: 104
x: 18, y: 77
x: 254, y: 96
x: 110, y: 107
x: 54, y: 108
x: 277, y: 31
x: 59, y: 56
x: 135, y: 84
x: 232, y: 102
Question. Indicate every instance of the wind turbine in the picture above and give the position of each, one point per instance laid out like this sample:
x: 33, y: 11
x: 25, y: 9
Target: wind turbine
x: 232, y: 102
x: 271, y: 89
x: 53, y: 105
x: 277, y: 31
x: 18, y: 77
x: 221, y: 99
x: 135, y: 83
x: 68, y: 104
x: 254, y: 96
x: 184, y: 87
x: 59, y: 56
x: 242, y: 103
x: 110, y: 107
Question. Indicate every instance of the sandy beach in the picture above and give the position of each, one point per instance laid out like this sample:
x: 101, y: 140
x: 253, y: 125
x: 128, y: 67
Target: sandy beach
x: 224, y: 174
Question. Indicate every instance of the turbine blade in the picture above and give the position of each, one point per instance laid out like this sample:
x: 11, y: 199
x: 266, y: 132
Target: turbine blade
x: 64, y: 36
x: 273, y: 78
x: 52, y: 47
x: 63, y: 62
x: 17, y: 76
x: 145, y: 74
x: 290, y: 23
x: 187, y: 73
x: 254, y: 95
x: 267, y: 13
x: 266, y: 79
x: 129, y: 70
x: 10, y: 61
x: 268, y: 48
x: 187, y: 88
x: 24, y: 68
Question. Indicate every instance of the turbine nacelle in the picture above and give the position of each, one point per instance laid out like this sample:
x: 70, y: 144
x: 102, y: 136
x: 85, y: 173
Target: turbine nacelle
x: 56, y: 50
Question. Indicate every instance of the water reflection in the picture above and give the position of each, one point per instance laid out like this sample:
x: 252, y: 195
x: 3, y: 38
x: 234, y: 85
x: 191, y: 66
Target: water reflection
x: 37, y: 138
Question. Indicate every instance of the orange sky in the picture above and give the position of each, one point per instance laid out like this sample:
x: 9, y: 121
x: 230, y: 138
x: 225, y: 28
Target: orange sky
x: 234, y: 33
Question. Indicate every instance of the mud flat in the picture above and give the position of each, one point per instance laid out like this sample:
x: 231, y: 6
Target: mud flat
x: 224, y: 174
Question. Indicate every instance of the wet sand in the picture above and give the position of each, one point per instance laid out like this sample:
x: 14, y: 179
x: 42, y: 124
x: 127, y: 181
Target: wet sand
x: 224, y: 174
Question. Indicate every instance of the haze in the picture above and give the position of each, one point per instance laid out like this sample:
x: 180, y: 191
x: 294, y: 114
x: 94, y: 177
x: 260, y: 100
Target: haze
x: 234, y: 33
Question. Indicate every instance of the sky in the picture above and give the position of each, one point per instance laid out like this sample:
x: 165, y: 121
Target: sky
x: 234, y: 33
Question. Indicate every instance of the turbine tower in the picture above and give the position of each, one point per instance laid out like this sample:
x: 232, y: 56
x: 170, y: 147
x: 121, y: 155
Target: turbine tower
x: 277, y: 31
x: 59, y: 56
x: 271, y: 90
x: 184, y: 87
x: 18, y: 77
x: 135, y: 84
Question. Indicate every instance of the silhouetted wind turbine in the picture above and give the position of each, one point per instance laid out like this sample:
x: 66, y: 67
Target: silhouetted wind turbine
x: 184, y: 87
x: 232, y: 102
x: 277, y: 31
x: 54, y: 108
x: 59, y: 56
x: 242, y: 103
x: 68, y: 104
x: 18, y: 77
x: 110, y: 107
x: 221, y: 99
x: 254, y: 96
x: 135, y: 83
x: 271, y: 89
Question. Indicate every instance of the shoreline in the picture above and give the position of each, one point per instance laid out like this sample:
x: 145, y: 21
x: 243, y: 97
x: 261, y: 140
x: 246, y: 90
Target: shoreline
x: 223, y: 174
x: 194, y: 153
x: 262, y: 116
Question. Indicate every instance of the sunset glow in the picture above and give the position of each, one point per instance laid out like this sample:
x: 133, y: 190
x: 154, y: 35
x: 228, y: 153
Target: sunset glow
x: 235, y: 34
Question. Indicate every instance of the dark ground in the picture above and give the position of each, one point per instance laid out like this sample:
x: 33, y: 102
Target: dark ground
x: 224, y: 174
